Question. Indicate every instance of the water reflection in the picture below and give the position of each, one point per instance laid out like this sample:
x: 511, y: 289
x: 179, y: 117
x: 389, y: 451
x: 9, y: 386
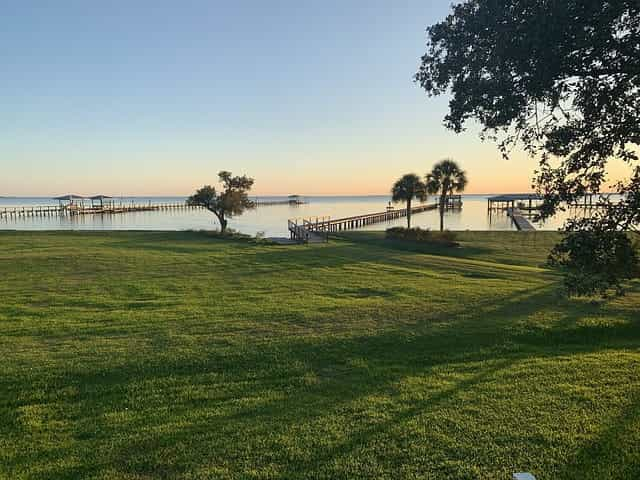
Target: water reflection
x: 272, y: 219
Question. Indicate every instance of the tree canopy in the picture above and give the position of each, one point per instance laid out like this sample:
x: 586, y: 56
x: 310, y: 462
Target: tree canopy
x: 405, y: 189
x: 561, y: 79
x: 232, y: 200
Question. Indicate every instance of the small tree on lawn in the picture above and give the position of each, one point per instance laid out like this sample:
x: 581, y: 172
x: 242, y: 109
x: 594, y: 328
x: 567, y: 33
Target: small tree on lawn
x: 445, y: 178
x: 407, y: 188
x: 232, y: 200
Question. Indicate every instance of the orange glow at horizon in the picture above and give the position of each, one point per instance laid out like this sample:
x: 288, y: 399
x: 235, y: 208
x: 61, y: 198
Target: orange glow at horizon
x: 304, y: 171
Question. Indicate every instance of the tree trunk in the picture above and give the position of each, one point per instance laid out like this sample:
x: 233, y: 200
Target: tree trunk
x: 443, y: 199
x: 221, y: 219
x: 409, y: 214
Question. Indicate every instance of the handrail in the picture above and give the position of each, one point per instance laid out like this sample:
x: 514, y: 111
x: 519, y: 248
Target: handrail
x: 376, y: 214
x: 303, y: 232
x: 324, y: 225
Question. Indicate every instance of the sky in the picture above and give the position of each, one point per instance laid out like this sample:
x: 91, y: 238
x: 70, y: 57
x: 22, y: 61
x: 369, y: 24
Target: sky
x: 156, y: 97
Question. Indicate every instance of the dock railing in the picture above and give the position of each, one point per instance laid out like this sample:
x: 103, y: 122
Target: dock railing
x: 297, y: 231
x: 318, y: 225
x: 80, y: 209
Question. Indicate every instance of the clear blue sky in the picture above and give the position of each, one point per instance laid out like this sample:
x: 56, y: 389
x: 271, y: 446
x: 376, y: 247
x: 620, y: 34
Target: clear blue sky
x: 155, y: 97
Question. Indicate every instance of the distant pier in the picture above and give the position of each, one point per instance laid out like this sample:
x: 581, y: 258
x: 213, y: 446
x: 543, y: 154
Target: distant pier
x: 79, y: 209
x: 73, y: 205
x: 290, y: 200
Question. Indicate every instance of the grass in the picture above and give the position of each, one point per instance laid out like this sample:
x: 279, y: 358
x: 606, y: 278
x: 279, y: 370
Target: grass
x: 129, y: 355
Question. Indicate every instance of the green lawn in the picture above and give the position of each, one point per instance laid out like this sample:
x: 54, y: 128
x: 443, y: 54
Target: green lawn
x: 178, y: 355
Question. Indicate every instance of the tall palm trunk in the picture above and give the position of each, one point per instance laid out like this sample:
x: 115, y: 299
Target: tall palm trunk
x: 443, y: 199
x: 408, y: 213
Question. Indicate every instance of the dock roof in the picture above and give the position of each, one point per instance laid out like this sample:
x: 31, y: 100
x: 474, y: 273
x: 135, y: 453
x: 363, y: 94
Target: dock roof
x: 69, y: 196
x: 515, y: 196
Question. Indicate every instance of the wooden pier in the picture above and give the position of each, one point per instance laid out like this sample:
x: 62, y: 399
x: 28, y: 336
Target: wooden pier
x: 79, y: 209
x: 521, y: 223
x: 306, y: 230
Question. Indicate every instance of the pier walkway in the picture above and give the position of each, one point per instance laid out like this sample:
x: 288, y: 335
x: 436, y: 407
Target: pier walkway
x: 521, y: 223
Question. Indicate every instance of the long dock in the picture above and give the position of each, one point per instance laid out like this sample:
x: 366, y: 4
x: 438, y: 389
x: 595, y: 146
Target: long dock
x: 72, y: 210
x: 306, y: 230
x: 349, y: 223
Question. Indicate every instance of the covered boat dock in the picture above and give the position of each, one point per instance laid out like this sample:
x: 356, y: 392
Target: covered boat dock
x: 523, y: 201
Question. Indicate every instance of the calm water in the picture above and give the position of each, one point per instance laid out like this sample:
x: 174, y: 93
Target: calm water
x: 271, y: 220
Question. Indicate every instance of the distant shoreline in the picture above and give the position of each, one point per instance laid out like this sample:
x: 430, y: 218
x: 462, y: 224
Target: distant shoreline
x: 255, y: 196
x: 49, y: 197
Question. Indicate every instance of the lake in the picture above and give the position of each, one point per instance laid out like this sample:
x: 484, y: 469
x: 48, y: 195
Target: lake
x: 270, y: 220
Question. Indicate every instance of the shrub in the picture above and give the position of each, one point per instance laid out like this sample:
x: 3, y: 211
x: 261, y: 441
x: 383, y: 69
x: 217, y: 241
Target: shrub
x: 417, y: 234
x: 395, y: 233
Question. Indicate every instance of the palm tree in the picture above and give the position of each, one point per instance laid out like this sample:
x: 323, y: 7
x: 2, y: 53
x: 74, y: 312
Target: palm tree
x: 407, y: 188
x: 445, y: 178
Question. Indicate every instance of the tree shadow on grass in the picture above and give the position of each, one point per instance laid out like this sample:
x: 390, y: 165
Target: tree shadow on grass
x: 245, y: 258
x: 614, y: 454
x: 343, y: 384
x: 249, y: 256
x: 375, y: 239
x: 190, y: 242
x: 268, y: 388
x: 509, y: 248
x: 305, y: 262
